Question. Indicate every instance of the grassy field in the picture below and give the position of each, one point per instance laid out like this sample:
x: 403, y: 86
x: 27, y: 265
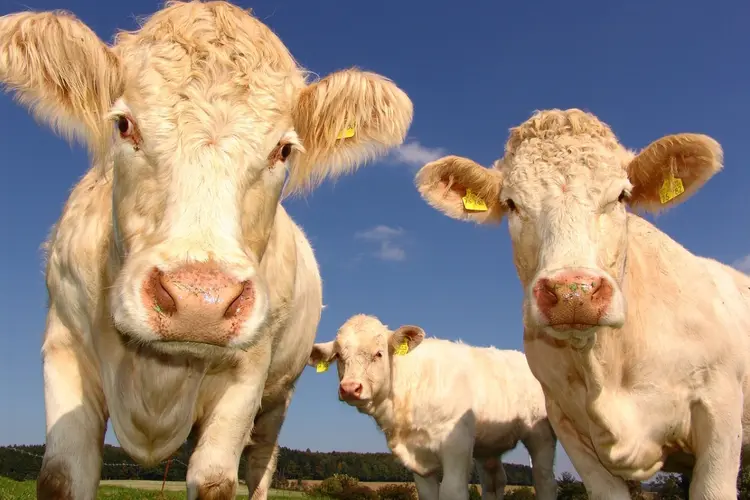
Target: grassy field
x: 147, y: 490
x: 124, y: 490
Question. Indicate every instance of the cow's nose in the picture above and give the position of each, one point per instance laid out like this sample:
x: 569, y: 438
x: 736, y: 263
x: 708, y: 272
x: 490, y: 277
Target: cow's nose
x: 196, y: 298
x: 350, y: 390
x: 573, y: 299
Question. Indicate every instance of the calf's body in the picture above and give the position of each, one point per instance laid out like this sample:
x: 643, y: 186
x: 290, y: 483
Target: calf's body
x: 641, y: 347
x: 442, y: 403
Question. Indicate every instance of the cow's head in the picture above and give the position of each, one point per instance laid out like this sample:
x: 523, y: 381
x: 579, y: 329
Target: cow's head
x: 564, y: 184
x: 364, y: 349
x: 196, y: 119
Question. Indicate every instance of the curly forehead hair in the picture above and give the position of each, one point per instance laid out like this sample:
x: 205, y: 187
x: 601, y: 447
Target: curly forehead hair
x: 549, y: 124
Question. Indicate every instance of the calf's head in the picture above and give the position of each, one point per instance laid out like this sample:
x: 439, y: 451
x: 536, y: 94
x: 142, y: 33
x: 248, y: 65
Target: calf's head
x: 196, y: 120
x: 364, y: 349
x: 564, y: 184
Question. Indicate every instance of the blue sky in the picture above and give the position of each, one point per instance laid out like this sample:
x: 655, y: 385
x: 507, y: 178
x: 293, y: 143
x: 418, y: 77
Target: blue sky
x: 472, y: 69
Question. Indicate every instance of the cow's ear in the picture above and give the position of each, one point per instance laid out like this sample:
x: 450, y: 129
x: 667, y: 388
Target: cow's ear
x: 344, y: 120
x: 462, y: 189
x: 323, y: 352
x: 405, y: 339
x: 671, y: 169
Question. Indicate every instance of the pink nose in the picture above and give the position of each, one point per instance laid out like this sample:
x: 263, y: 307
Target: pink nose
x: 198, y: 302
x: 573, y: 299
x: 350, y: 390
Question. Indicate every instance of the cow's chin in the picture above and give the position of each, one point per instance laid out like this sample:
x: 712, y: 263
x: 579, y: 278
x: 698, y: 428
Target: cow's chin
x: 181, y: 349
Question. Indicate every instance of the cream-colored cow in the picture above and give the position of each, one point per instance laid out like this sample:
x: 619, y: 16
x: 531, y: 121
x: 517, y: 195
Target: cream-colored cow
x: 642, y: 348
x: 181, y: 294
x: 440, y: 403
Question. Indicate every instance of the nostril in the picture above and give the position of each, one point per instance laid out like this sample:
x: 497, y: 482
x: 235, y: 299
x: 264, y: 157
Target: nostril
x: 358, y: 390
x: 244, y: 298
x: 596, y: 285
x: 163, y: 299
x: 549, y: 288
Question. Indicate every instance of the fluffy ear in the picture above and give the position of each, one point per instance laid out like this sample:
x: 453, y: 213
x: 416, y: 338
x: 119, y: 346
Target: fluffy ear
x: 343, y: 120
x: 321, y: 352
x: 444, y: 184
x: 671, y: 169
x: 57, y: 67
x: 410, y: 334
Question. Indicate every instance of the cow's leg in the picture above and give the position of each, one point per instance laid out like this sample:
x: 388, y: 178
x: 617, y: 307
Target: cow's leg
x: 457, y: 460
x: 541, y: 444
x: 223, y: 434
x: 492, y: 478
x: 263, y: 453
x: 599, y: 482
x: 428, y: 487
x: 717, y: 438
x: 76, y: 417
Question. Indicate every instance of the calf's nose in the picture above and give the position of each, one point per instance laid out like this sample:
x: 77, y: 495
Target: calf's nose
x: 194, y: 299
x: 350, y: 390
x: 573, y: 299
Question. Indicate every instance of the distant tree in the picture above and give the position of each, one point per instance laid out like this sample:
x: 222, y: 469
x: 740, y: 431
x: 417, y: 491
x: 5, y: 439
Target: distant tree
x: 668, y: 487
x: 568, y: 488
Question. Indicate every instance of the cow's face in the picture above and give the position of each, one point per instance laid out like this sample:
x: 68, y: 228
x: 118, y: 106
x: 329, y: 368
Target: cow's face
x: 198, y: 118
x: 364, y: 349
x: 564, y: 184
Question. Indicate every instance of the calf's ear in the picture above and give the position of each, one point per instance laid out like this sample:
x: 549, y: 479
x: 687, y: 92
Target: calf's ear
x: 343, y: 120
x: 406, y: 338
x: 671, y: 169
x: 321, y: 352
x: 462, y: 189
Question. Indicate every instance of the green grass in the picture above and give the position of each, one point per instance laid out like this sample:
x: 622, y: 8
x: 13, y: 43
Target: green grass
x: 26, y: 490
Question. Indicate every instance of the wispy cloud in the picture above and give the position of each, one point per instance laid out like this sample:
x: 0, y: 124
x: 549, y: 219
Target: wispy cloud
x: 743, y: 264
x: 415, y: 155
x: 388, y: 240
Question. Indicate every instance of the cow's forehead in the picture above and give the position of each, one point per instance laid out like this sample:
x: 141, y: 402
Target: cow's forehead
x: 195, y: 62
x: 360, y: 333
x: 564, y: 160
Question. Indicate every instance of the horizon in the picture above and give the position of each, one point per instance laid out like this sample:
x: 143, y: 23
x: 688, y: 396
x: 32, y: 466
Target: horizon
x: 388, y: 253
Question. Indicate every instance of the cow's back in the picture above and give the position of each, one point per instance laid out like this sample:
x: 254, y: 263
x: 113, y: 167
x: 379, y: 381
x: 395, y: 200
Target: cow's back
x: 441, y: 381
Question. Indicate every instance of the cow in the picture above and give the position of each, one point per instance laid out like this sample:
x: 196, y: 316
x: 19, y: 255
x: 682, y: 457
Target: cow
x: 641, y: 347
x: 440, y: 403
x: 183, y: 299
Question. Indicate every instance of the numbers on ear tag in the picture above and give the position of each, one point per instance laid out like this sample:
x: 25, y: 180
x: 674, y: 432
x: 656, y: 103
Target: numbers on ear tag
x: 474, y: 202
x: 402, y: 348
x: 671, y: 189
x: 321, y: 366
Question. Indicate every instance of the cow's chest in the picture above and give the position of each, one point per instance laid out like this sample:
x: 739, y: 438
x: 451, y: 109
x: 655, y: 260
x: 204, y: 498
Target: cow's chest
x: 416, y: 449
x: 152, y: 406
x: 631, y: 425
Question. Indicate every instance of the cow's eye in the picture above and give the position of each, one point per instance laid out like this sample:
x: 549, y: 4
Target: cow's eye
x: 510, y: 204
x: 623, y: 196
x: 286, y: 150
x: 379, y: 354
x: 125, y: 127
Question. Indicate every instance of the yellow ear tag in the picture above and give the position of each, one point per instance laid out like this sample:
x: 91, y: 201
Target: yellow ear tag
x: 671, y: 189
x: 322, y: 366
x: 346, y: 133
x: 474, y: 202
x: 402, y: 348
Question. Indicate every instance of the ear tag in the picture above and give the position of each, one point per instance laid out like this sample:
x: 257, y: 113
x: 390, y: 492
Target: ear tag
x: 321, y: 366
x: 474, y: 202
x: 402, y: 348
x: 671, y: 189
x: 346, y: 133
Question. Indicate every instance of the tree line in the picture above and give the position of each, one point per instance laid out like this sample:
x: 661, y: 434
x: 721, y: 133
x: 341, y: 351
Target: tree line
x: 23, y: 462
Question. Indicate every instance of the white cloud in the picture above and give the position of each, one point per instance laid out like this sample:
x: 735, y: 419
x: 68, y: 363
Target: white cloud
x: 743, y: 264
x: 386, y: 238
x: 416, y: 155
